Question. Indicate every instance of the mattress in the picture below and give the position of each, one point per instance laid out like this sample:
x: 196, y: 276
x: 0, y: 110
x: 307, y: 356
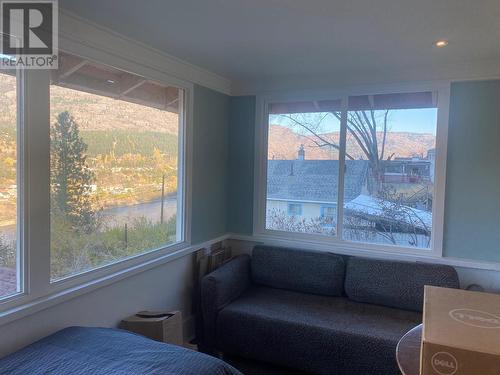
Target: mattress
x: 89, y: 350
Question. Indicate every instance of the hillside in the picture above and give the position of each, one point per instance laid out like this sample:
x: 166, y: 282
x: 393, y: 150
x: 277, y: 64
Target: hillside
x: 131, y: 148
x: 90, y: 111
x: 101, y: 113
x: 7, y: 101
x: 284, y: 143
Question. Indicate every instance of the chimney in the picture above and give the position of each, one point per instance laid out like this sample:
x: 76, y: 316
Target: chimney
x: 301, y: 154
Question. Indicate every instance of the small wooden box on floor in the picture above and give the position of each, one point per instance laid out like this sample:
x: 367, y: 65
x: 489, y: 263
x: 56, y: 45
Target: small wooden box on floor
x: 159, y: 325
x: 461, y: 333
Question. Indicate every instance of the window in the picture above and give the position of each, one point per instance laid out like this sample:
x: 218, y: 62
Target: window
x: 9, y: 201
x: 115, y: 168
x: 294, y: 209
x: 300, y: 166
x: 329, y: 216
x: 94, y: 170
x: 374, y: 156
x: 392, y: 139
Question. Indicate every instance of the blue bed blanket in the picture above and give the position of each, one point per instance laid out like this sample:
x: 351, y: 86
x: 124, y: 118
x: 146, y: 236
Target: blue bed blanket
x: 85, y: 350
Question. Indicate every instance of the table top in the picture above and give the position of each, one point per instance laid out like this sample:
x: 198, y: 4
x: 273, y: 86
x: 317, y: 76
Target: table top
x: 408, y: 351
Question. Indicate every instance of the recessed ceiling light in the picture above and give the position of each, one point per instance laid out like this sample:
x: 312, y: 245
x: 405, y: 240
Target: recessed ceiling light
x: 441, y: 43
x: 110, y: 81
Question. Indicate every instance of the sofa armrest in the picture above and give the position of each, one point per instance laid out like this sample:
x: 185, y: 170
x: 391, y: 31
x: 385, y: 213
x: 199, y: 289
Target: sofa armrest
x: 218, y: 289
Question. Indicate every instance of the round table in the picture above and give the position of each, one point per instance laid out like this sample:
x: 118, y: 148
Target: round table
x: 408, y: 351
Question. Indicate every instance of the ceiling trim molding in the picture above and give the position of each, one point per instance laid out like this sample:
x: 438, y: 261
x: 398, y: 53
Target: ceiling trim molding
x: 75, y: 32
x: 350, y: 81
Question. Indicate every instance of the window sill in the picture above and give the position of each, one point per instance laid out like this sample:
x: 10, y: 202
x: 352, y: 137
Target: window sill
x: 63, y: 290
x: 329, y: 243
x: 364, y: 250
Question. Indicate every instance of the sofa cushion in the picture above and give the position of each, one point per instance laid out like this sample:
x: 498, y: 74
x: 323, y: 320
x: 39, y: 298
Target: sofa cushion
x: 317, y: 334
x: 298, y: 270
x: 395, y: 284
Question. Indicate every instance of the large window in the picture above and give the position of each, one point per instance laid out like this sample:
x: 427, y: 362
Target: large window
x: 363, y: 168
x: 115, y: 168
x: 94, y: 169
x: 302, y: 166
x: 92, y: 175
x: 9, y: 253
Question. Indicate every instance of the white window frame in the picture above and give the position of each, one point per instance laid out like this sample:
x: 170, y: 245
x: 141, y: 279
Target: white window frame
x: 33, y: 119
x: 21, y: 176
x: 336, y: 243
x: 182, y: 232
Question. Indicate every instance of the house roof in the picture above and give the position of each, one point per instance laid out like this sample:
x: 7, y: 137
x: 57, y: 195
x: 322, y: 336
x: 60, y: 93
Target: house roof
x: 314, y: 180
x: 370, y: 207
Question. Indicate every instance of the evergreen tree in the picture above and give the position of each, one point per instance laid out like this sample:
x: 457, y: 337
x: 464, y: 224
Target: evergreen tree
x: 71, y: 178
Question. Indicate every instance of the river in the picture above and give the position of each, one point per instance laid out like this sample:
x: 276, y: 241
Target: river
x: 118, y: 216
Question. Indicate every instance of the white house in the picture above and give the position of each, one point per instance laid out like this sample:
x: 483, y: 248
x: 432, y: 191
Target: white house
x: 308, y: 189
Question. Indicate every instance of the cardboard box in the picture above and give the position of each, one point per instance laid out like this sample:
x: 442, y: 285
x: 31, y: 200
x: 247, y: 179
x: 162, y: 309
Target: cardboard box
x: 461, y: 333
x: 160, y: 326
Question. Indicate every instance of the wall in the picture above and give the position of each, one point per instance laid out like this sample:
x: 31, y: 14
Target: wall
x: 210, y: 164
x: 241, y: 164
x: 222, y: 201
x: 473, y: 170
x: 168, y: 286
x: 165, y: 287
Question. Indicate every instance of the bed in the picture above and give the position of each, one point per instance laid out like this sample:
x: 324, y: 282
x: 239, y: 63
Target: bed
x: 88, y: 350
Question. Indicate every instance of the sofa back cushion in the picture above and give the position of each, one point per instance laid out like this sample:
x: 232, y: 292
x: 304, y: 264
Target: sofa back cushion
x: 395, y: 284
x: 298, y: 270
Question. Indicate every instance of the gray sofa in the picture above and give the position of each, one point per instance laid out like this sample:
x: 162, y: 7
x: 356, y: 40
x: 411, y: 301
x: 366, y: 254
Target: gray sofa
x: 316, y: 312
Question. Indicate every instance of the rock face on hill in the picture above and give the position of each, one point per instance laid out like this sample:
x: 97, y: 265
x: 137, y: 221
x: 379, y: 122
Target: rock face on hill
x: 101, y: 113
x: 92, y: 112
x: 284, y: 144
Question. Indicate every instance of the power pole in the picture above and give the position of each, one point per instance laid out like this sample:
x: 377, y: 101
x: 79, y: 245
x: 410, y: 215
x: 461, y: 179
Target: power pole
x: 162, y: 197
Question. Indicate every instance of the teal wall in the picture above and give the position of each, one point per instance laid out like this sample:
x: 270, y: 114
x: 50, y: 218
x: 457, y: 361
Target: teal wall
x: 241, y: 164
x: 472, y: 213
x: 472, y: 207
x: 210, y: 164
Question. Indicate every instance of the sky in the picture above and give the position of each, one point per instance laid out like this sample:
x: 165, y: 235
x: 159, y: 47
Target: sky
x: 414, y: 120
x: 403, y: 120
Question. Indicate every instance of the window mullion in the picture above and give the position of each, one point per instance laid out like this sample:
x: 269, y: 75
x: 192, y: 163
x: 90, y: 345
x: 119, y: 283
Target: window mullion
x: 21, y: 236
x: 181, y: 179
x: 340, y: 193
x: 37, y: 181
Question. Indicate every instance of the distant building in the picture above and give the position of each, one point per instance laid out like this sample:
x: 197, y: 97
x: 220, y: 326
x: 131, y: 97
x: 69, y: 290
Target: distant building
x: 309, y: 188
x: 413, y: 170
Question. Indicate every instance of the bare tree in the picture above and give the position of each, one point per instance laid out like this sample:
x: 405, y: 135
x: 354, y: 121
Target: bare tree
x: 397, y: 215
x: 397, y: 222
x: 365, y: 127
x: 7, y: 252
x: 279, y: 220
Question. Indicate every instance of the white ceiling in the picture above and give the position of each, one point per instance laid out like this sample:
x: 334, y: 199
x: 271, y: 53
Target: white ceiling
x: 258, y: 42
